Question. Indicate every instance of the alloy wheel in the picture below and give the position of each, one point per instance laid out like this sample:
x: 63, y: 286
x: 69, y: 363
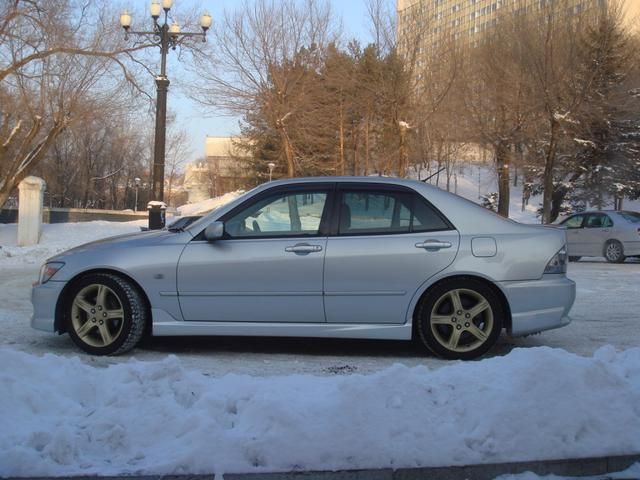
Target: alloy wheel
x: 97, y: 315
x: 461, y: 320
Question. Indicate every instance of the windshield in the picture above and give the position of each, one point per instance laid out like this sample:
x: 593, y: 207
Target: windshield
x: 633, y: 217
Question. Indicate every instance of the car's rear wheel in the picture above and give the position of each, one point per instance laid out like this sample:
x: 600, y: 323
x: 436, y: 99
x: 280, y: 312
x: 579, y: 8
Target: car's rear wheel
x: 106, y: 314
x: 460, y: 319
x: 614, y: 252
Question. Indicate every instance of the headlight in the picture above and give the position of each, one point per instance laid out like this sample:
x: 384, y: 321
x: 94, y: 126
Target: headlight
x: 48, y: 270
x: 558, y: 264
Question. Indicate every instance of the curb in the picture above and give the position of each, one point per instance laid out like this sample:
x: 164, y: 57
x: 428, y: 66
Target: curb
x: 571, y: 468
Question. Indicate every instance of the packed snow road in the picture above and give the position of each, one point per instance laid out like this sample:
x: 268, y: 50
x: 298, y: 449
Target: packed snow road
x: 606, y: 312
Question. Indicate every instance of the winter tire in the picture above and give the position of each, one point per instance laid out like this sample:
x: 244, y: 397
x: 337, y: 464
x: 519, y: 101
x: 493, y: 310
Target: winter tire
x: 106, y: 314
x: 460, y: 319
x: 614, y: 252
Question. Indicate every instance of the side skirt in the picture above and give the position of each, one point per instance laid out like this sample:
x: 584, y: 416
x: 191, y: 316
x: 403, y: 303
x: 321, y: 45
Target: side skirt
x: 255, y: 329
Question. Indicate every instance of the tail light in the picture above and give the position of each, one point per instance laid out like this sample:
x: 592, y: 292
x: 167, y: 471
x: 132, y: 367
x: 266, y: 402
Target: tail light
x: 558, y: 263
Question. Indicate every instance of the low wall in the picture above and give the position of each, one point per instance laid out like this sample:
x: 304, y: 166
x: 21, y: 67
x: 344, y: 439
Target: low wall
x: 63, y: 215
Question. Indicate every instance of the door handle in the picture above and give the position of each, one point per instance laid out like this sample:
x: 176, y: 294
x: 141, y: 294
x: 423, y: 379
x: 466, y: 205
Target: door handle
x: 433, y: 245
x: 303, y: 248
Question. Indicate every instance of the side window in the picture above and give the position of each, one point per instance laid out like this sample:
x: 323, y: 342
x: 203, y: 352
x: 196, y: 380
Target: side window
x: 285, y: 214
x: 607, y: 222
x: 598, y: 220
x: 363, y: 212
x: 573, y: 222
x: 426, y: 219
x: 380, y: 212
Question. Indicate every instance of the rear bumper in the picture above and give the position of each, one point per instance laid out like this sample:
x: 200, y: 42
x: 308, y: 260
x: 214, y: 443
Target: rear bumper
x: 539, y: 305
x: 44, y: 299
x: 631, y: 249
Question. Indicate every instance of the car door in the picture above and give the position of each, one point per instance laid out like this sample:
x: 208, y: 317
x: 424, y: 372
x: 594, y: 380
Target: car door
x: 596, y: 231
x: 268, y: 265
x: 575, y: 235
x: 385, y: 243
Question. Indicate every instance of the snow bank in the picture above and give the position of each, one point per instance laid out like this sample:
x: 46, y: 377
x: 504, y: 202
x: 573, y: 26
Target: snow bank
x: 206, y: 206
x: 56, y: 238
x: 62, y: 416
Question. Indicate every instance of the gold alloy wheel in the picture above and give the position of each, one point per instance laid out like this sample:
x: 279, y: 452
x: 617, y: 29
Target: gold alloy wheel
x: 461, y: 320
x: 97, y: 315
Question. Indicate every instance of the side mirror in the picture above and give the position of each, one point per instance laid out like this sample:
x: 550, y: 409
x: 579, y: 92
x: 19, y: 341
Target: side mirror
x: 214, y: 231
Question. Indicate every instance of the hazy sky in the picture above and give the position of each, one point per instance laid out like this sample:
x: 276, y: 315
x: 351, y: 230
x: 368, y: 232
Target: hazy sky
x: 190, y: 115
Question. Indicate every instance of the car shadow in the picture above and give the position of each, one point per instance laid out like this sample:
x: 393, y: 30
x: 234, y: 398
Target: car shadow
x: 320, y: 347
x: 283, y: 345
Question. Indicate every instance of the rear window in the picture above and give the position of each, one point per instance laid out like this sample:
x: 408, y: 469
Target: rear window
x: 632, y: 217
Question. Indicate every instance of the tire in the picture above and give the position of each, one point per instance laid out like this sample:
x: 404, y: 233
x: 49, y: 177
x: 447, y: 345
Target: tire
x: 478, y: 319
x: 614, y: 252
x: 574, y: 259
x: 106, y: 314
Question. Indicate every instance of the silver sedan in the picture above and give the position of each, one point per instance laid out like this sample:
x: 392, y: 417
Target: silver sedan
x: 375, y: 258
x: 614, y: 235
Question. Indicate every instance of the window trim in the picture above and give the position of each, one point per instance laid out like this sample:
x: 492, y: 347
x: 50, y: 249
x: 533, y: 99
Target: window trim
x: 377, y: 188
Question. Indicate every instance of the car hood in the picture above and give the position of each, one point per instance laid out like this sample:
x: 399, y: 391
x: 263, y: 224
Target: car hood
x: 127, y: 240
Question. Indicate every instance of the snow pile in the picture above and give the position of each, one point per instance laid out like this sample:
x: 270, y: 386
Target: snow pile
x: 206, y: 206
x: 58, y: 237
x: 61, y: 416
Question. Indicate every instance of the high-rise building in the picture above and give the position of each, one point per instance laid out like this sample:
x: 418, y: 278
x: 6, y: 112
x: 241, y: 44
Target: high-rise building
x: 466, y: 21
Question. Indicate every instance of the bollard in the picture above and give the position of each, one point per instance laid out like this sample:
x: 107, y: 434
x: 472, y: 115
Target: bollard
x: 157, y: 214
x: 30, y: 201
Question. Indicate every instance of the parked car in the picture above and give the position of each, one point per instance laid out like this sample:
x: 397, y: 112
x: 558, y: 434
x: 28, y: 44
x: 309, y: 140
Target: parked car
x: 614, y: 235
x: 347, y: 257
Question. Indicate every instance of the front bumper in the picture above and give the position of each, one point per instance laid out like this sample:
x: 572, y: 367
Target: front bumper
x: 44, y: 298
x: 539, y: 305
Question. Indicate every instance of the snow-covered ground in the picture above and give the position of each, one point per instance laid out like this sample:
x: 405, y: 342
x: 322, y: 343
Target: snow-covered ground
x: 219, y: 405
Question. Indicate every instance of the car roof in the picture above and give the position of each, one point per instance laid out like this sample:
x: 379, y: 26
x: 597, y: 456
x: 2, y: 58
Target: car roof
x: 348, y: 179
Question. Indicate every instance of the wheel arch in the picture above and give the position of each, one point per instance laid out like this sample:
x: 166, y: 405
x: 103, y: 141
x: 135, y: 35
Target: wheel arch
x: 64, y: 297
x: 489, y: 283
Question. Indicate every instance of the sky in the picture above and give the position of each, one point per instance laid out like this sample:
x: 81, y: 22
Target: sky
x: 198, y: 125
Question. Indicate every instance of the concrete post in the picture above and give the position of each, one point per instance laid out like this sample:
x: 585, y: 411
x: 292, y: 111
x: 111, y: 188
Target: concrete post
x: 30, y: 210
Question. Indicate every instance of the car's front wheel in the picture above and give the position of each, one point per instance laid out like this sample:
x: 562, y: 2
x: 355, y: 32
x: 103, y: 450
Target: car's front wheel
x: 460, y: 319
x: 614, y: 252
x: 106, y: 314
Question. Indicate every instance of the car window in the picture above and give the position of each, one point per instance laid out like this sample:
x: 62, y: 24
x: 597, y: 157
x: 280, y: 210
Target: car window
x: 573, y: 222
x: 598, y: 220
x: 285, y: 214
x: 426, y: 218
x: 372, y: 212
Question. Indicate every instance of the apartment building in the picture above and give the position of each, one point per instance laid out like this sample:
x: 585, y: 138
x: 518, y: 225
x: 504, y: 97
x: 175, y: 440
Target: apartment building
x: 466, y: 21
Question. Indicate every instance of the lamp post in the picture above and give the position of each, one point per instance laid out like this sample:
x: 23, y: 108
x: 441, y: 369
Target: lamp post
x: 136, y: 182
x: 165, y: 37
x: 271, y: 166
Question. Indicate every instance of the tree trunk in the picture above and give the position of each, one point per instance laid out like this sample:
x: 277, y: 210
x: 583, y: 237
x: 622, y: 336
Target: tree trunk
x: 366, y: 146
x: 340, y: 170
x: 502, y: 161
x: 549, y: 165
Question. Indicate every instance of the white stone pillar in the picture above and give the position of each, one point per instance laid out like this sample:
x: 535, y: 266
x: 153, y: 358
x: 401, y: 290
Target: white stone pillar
x: 30, y: 210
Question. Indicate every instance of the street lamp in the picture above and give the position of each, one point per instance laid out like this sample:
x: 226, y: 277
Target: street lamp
x: 271, y: 166
x: 136, y: 182
x: 164, y: 36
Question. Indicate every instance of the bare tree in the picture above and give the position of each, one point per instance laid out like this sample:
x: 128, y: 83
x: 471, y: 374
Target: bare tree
x: 56, y: 66
x: 264, y: 51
